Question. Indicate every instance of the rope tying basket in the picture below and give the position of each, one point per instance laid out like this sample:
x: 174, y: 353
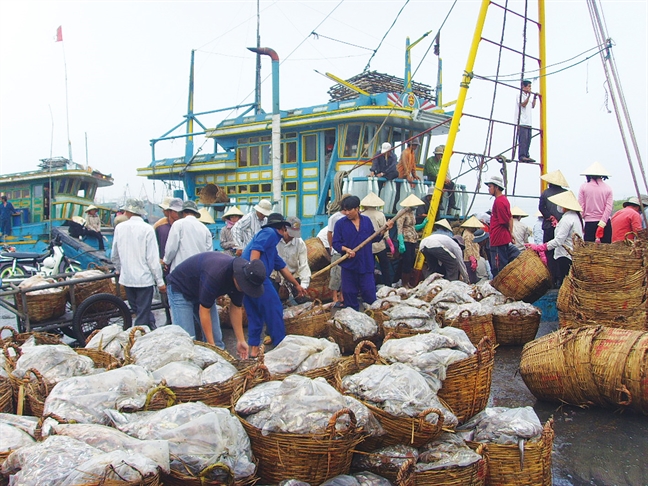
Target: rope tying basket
x: 587, y: 366
x: 476, y: 326
x: 508, y: 466
x: 414, y: 431
x: 311, y: 458
x: 525, y: 278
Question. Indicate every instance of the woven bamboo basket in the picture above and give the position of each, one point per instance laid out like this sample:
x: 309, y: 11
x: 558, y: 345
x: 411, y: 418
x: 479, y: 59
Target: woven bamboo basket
x: 20, y: 338
x: 318, y: 255
x: 506, y: 467
x: 631, y: 321
x: 153, y: 480
x: 312, y: 458
x: 319, y: 287
x: 525, y: 278
x: 113, y: 289
x: 224, y: 303
x: 472, y: 475
x: 414, y: 431
x: 6, y: 396
x: 468, y: 382
x: 41, y: 307
x: 17, y: 384
x: 312, y: 322
x: 403, y: 476
x: 226, y: 477
x: 345, y: 340
x: 475, y: 326
x: 515, y: 329
x: 563, y: 301
x: 402, y: 330
x: 86, y: 289
x: 601, y: 263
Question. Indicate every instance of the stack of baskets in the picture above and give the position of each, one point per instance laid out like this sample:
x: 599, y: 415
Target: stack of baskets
x: 606, y: 286
x: 525, y: 278
x: 589, y: 366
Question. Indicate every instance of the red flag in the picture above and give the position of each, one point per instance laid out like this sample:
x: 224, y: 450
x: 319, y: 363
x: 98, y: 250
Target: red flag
x: 59, y: 34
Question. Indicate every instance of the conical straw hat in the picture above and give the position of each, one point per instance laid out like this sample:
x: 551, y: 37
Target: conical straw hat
x: 596, y: 169
x: 472, y: 222
x: 566, y: 200
x: 444, y: 223
x: 516, y: 211
x: 372, y: 200
x: 411, y: 201
x: 538, y: 214
x: 205, y: 217
x: 232, y: 211
x: 556, y: 177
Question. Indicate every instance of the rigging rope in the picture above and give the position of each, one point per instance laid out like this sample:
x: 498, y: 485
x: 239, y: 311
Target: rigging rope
x: 384, y: 36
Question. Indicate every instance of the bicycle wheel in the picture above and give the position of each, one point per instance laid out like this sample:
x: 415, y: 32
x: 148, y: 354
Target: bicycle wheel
x: 7, y: 271
x: 97, y: 312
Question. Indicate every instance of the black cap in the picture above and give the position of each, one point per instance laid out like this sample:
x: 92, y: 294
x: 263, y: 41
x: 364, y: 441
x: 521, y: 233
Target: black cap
x: 275, y: 220
x: 250, y: 276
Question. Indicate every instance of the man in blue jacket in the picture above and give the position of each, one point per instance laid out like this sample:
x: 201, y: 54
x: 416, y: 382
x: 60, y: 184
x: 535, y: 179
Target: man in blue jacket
x: 267, y: 308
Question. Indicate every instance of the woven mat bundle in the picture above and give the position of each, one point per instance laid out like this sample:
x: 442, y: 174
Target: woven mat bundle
x: 587, y: 366
x: 606, y: 285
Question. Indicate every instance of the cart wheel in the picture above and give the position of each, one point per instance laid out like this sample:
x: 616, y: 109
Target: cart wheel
x: 99, y: 311
x: 7, y: 271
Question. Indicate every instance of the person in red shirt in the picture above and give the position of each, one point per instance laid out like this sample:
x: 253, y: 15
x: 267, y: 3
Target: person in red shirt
x: 502, y: 250
x: 627, y: 221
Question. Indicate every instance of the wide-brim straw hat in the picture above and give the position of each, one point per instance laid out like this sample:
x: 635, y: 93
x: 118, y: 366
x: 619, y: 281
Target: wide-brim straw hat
x: 472, y: 222
x: 372, y: 200
x: 566, y: 200
x: 556, y: 178
x: 135, y: 206
x: 443, y: 223
x: 264, y: 206
x: 596, y: 169
x: 205, y: 217
x: 232, y: 211
x: 164, y: 205
x: 633, y: 200
x: 517, y: 211
x: 411, y: 201
x: 90, y: 208
x: 497, y: 180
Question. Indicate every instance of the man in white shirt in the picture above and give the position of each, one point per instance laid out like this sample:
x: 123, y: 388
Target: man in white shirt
x: 187, y: 237
x: 523, y: 115
x: 294, y: 252
x: 250, y: 224
x: 443, y: 254
x: 136, y: 260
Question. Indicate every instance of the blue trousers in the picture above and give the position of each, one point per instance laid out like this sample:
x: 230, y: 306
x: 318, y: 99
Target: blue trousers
x: 139, y: 299
x: 501, y: 256
x: 524, y: 139
x: 185, y: 313
x: 265, y: 309
x: 5, y: 226
x: 352, y: 283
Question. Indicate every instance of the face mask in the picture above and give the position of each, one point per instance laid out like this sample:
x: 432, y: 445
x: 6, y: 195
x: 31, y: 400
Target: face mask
x: 561, y: 209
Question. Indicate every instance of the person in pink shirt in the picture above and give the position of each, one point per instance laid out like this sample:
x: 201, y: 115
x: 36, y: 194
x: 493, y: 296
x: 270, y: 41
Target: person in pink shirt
x: 627, y: 221
x: 502, y: 249
x: 595, y: 197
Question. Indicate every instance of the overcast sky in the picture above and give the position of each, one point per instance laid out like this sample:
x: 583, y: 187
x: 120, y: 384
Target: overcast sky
x: 128, y: 66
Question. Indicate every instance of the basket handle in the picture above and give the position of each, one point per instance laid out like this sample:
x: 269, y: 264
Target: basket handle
x: 42, y: 384
x: 402, y: 326
x: 131, y: 342
x: 485, y: 349
x: 421, y: 416
x: 514, y: 313
x: 478, y: 295
x: 390, y: 335
x: 406, y: 471
x: 11, y: 330
x: 161, y: 388
x: 465, y: 314
x: 330, y: 428
x: 255, y: 374
x: 17, y: 350
x: 370, y: 313
x: 204, y: 474
x: 92, y: 334
x: 385, y: 304
x: 371, y: 349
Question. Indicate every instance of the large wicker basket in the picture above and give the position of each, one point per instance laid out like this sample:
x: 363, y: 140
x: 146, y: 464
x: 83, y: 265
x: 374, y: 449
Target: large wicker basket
x: 403, y: 476
x: 6, y: 396
x: 475, y: 326
x: 515, y: 329
x: 41, y: 307
x: 84, y: 290
x: 312, y: 323
x: 414, y: 431
x: 20, y: 338
x: 508, y: 466
x: 472, y: 475
x: 312, y: 458
x: 345, y: 340
x: 525, y: 278
x: 175, y: 478
x: 467, y: 385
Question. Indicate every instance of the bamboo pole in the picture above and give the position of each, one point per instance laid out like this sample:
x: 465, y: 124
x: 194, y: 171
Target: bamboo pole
x: 380, y: 230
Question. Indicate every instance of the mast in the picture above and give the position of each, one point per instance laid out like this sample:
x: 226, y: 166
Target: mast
x: 257, y: 85
x: 189, y: 146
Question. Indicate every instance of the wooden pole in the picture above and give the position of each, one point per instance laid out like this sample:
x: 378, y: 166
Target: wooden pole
x: 380, y: 230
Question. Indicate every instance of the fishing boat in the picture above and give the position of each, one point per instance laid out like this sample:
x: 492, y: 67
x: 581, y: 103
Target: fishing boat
x: 48, y: 200
x: 322, y: 151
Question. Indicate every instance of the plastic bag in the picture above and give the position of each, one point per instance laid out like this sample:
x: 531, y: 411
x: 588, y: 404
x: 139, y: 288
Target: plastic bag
x: 198, y: 436
x: 342, y: 480
x: 522, y: 308
x: 258, y: 398
x: 359, y: 324
x: 389, y: 458
x: 404, y: 311
x: 25, y: 423
x: 218, y: 372
x: 300, y: 352
x: 84, y: 399
x: 503, y: 425
x: 112, y: 340
x: 112, y: 466
x: 108, y: 439
x: 178, y: 373
x: 55, y: 362
x: 448, y: 450
x: 404, y: 350
x: 162, y: 346
x: 13, y: 438
x: 366, y: 478
x: 204, y: 356
x: 461, y: 339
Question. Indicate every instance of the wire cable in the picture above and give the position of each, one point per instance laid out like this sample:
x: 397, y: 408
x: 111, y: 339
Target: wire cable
x: 384, y: 36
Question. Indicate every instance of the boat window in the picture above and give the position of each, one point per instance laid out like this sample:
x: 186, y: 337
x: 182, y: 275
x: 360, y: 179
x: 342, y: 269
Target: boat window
x: 242, y: 189
x: 384, y: 137
x: 242, y: 141
x: 290, y: 186
x: 265, y: 155
x: 231, y: 189
x: 243, y: 157
x: 266, y: 187
x: 289, y: 152
x: 254, y: 156
x: 289, y: 135
x: 351, y: 141
x: 25, y: 193
x: 254, y: 139
x: 266, y: 138
x: 38, y: 191
x: 309, y: 148
x: 254, y: 188
x: 371, y: 142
